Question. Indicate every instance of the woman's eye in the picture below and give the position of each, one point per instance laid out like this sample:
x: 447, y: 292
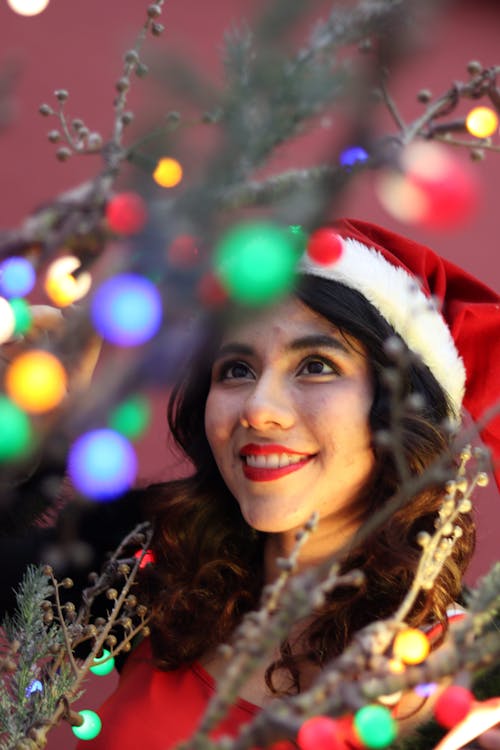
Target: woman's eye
x: 319, y: 367
x: 234, y: 371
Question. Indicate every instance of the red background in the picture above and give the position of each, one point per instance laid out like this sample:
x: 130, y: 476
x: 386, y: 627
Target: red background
x: 79, y: 46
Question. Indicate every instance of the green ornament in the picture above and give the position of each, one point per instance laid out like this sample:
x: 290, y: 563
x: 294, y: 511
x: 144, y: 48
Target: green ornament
x: 375, y: 726
x: 131, y: 417
x: 22, y: 314
x: 15, y: 433
x: 91, y: 726
x: 256, y: 262
x: 104, y: 665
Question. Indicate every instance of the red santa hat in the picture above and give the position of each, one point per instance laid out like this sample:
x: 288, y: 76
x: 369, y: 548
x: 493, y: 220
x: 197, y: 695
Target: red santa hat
x: 445, y: 315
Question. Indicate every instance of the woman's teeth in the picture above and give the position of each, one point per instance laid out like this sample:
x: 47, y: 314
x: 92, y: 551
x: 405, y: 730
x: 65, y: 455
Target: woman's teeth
x: 273, y: 460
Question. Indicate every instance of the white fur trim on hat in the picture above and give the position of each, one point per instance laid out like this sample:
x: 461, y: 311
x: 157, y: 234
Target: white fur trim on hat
x: 399, y: 298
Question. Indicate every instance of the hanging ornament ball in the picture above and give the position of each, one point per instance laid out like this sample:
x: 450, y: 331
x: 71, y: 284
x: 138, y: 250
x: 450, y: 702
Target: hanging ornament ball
x: 481, y: 122
x: 23, y: 316
x: 453, y: 705
x: 436, y: 190
x: 183, y: 251
x: 7, y: 321
x: 36, y: 381
x: 210, y: 291
x: 320, y: 733
x: 411, y: 646
x: 17, y: 277
x: 256, y: 262
x: 91, y: 726
x: 61, y: 286
x: 353, y: 155
x: 168, y: 172
x: 131, y: 417
x: 375, y: 726
x: 127, y: 310
x: 104, y: 664
x: 147, y: 559
x: 102, y: 464
x: 16, y: 434
x: 126, y: 213
x: 324, y: 246
x: 28, y: 7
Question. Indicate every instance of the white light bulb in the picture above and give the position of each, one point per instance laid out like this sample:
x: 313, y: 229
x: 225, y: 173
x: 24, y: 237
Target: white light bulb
x: 28, y: 7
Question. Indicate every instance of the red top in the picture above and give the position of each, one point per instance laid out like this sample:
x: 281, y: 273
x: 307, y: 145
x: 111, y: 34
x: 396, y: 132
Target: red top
x: 155, y: 710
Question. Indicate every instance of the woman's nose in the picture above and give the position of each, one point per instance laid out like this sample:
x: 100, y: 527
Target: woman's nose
x: 268, y: 405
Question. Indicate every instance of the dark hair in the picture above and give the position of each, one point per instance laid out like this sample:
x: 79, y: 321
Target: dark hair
x: 209, y: 561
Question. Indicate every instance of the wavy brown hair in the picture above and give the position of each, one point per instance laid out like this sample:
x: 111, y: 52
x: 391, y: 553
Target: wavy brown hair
x: 209, y: 562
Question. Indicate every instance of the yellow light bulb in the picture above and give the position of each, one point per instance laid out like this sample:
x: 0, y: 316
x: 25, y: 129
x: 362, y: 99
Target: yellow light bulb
x: 36, y: 381
x: 168, y: 173
x: 481, y: 122
x: 61, y: 286
x: 28, y: 7
x: 411, y: 646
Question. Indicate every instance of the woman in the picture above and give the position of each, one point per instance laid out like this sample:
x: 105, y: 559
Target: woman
x: 282, y: 414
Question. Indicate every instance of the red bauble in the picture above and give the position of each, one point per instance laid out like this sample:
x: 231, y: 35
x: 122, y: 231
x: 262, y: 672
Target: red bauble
x: 126, y: 213
x: 324, y: 246
x: 321, y: 733
x: 453, y: 705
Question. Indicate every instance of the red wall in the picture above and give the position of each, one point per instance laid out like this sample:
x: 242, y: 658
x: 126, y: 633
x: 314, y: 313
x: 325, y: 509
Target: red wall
x: 79, y: 46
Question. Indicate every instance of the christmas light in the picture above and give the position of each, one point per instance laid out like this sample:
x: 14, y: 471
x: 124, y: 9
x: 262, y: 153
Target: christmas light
x: 17, y: 277
x: 91, y: 726
x: 61, y: 286
x: 411, y: 646
x: 168, y: 173
x: 7, y: 321
x: 16, y: 434
x: 183, y: 251
x: 324, y: 246
x: 131, y: 417
x: 147, y: 559
x: 353, y: 155
x: 375, y: 726
x: 102, y: 464
x: 22, y: 315
x: 256, y: 262
x: 28, y: 7
x: 426, y: 689
x: 126, y: 213
x: 127, y: 310
x: 104, y: 664
x: 482, y: 122
x: 320, y: 733
x: 36, y: 381
x: 453, y: 705
x: 35, y: 686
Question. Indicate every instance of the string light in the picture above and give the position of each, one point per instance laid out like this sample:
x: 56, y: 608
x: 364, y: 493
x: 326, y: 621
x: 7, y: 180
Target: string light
x: 320, y: 733
x: 35, y: 686
x: 481, y: 122
x: 23, y: 316
x: 17, y: 277
x: 411, y: 646
x: 102, y: 464
x: 127, y: 310
x: 7, y: 321
x: 375, y: 726
x: 324, y: 246
x: 91, y: 726
x: 131, y: 417
x: 256, y: 262
x: 36, y: 381
x: 183, y: 251
x: 28, y: 7
x: 168, y: 172
x: 104, y: 665
x: 147, y: 559
x: 453, y: 705
x: 16, y: 433
x: 126, y: 213
x: 61, y: 286
x: 353, y: 155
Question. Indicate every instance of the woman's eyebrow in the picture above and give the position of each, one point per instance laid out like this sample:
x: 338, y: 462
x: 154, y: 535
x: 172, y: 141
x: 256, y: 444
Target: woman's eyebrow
x: 304, y: 342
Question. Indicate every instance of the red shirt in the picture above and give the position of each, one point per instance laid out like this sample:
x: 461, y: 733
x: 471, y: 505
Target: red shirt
x: 155, y: 710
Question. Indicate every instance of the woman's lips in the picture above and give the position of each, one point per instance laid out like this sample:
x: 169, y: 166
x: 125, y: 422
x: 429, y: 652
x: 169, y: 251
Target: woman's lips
x: 264, y: 474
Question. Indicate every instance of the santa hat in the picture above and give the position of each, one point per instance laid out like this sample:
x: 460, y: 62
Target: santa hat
x: 445, y: 315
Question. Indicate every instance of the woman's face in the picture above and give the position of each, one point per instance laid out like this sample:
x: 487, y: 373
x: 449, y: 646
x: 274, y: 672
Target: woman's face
x: 287, y: 418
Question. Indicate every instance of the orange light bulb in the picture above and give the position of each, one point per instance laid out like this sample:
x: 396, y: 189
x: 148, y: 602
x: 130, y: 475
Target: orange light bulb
x: 61, y: 286
x: 411, y: 646
x: 36, y: 381
x: 168, y: 173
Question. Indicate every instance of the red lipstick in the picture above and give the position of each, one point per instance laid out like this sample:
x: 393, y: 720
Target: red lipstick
x: 259, y: 449
x: 259, y: 474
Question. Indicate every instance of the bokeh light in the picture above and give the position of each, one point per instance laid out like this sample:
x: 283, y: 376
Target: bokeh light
x: 61, y: 286
x: 22, y: 314
x: 353, y: 155
x: 16, y: 435
x: 210, y: 290
x: 148, y: 558
x: 168, y: 172
x: 35, y: 686
x: 91, y: 726
x: 102, y: 464
x: 411, y: 646
x: 320, y: 733
x: 131, y: 417
x: 28, y: 7
x: 7, y: 321
x: 127, y: 310
x: 482, y: 122
x: 183, y: 251
x: 453, y: 705
x: 375, y: 726
x: 256, y: 262
x: 126, y: 213
x: 36, y: 380
x: 104, y: 664
x: 426, y: 689
x: 17, y: 277
x: 324, y: 246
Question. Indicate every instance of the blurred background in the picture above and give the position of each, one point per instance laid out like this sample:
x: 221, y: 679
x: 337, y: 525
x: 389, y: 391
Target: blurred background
x: 79, y: 46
